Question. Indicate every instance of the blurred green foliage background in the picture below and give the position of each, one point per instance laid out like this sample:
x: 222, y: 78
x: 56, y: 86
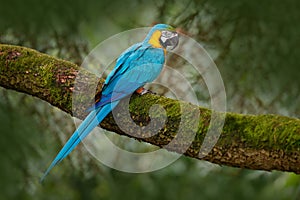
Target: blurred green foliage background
x: 255, y: 45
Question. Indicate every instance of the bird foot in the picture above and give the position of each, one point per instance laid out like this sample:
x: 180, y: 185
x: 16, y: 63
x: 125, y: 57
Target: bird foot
x: 141, y: 91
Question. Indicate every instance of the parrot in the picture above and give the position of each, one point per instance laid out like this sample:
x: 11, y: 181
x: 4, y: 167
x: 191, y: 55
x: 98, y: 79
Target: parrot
x: 141, y: 63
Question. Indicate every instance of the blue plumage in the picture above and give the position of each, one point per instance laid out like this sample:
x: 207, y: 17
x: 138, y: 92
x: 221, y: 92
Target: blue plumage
x: 138, y: 65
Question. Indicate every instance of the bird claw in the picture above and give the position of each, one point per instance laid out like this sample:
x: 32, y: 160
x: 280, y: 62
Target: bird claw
x: 142, y: 91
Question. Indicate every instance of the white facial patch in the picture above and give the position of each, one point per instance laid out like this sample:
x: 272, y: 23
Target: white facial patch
x: 167, y: 35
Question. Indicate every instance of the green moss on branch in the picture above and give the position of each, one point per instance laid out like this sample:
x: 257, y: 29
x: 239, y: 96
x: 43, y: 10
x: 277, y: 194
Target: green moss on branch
x: 265, y: 142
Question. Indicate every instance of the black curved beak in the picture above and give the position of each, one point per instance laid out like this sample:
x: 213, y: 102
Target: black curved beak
x: 171, y: 40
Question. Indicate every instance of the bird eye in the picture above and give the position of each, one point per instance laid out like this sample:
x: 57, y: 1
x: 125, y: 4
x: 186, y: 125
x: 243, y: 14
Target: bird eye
x: 166, y: 34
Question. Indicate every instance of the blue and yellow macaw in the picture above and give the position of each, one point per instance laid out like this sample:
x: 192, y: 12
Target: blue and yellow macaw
x: 139, y: 64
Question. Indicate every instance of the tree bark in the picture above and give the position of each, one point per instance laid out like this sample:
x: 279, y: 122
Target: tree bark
x: 261, y: 142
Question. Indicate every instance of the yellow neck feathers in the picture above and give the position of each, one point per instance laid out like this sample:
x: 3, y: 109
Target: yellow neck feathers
x: 154, y: 40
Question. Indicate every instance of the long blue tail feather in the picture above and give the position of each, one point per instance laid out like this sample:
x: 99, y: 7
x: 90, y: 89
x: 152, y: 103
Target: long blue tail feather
x: 91, y: 121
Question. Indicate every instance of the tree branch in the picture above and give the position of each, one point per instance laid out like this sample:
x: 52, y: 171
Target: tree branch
x: 262, y: 142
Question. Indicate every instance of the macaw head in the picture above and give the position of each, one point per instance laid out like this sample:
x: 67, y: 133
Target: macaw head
x: 162, y: 36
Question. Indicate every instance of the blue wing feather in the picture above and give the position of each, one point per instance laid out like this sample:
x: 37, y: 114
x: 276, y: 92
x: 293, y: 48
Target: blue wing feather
x: 119, y: 67
x: 138, y: 69
x: 137, y: 66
